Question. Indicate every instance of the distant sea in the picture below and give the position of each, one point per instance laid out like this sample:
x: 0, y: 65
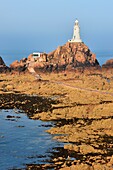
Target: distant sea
x: 102, y: 57
x: 9, y: 57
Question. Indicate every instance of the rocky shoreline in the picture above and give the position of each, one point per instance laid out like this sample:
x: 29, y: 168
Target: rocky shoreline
x: 81, y: 107
x: 69, y: 87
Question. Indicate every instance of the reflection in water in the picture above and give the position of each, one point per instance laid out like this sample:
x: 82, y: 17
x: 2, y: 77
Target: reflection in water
x: 23, y: 141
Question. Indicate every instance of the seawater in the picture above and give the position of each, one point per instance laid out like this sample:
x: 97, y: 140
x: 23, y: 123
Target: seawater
x: 10, y: 57
x: 102, y: 57
x: 23, y: 140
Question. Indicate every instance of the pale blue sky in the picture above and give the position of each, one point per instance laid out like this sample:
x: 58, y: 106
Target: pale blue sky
x: 32, y: 25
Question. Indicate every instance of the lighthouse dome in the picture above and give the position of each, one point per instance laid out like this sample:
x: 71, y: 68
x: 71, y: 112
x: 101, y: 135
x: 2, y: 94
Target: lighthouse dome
x: 76, y: 22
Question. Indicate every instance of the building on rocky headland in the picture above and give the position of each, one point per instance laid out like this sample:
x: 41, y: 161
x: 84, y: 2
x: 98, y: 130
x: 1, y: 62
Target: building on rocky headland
x: 36, y: 55
x: 70, y: 56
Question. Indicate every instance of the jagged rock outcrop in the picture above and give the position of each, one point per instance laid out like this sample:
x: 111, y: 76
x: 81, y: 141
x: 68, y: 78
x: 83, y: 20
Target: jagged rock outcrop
x: 3, y: 67
x: 19, y: 65
x: 67, y: 57
x: 108, y: 64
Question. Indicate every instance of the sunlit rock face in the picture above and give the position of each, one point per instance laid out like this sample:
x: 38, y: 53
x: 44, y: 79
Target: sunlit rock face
x: 108, y: 64
x: 68, y: 57
x: 19, y: 65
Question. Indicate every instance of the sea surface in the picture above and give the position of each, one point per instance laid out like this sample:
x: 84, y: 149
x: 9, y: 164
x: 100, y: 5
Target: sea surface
x: 11, y: 56
x: 102, y: 57
x: 23, y: 141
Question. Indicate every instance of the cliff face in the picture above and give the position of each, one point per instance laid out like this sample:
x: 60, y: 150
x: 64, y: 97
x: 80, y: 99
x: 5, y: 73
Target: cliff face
x: 67, y: 57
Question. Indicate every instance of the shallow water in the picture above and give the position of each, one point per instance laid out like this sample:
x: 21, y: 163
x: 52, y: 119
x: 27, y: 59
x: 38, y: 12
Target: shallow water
x: 23, y: 141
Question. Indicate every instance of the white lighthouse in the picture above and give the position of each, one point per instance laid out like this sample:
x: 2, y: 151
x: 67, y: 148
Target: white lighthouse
x: 76, y: 33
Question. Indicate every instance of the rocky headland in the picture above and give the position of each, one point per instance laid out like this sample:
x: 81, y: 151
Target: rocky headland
x: 67, y: 57
x: 75, y: 93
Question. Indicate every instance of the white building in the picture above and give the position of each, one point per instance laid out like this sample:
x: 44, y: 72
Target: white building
x: 76, y: 33
x: 36, y: 55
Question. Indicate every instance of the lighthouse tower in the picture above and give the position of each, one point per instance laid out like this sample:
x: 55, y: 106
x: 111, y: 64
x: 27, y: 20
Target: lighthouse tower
x: 76, y: 33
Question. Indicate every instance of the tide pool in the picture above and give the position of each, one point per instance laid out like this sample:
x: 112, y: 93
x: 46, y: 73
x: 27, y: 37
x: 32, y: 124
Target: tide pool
x: 23, y: 141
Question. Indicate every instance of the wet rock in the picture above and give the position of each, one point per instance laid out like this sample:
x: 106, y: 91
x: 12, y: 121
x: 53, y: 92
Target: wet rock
x: 20, y: 126
x: 25, y: 102
x: 9, y: 116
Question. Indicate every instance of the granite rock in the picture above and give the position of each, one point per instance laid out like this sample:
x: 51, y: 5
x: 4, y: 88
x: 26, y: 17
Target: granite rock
x: 70, y: 56
x: 108, y: 64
